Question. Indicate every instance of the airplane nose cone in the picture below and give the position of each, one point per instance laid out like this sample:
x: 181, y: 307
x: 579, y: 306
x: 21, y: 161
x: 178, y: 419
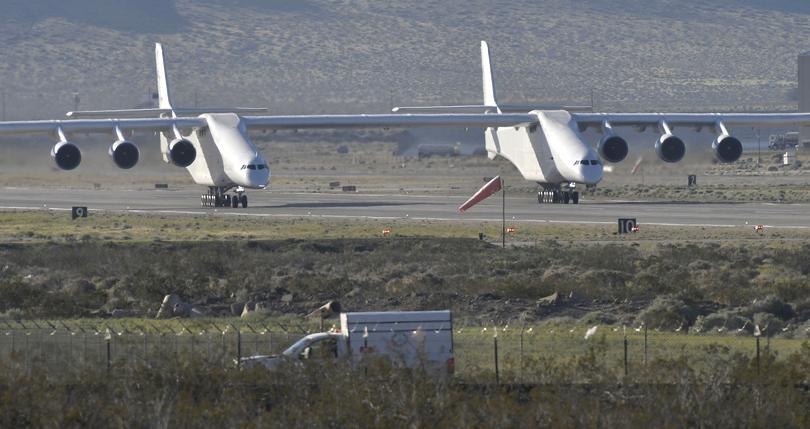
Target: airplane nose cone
x: 257, y: 178
x: 589, y: 174
x: 255, y: 174
x: 594, y: 175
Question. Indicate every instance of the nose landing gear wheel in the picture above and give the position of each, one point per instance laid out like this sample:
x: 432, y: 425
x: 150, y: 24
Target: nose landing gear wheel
x: 235, y: 202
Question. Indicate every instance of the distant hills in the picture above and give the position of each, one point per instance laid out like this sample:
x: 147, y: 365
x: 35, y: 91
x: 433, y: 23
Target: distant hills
x: 327, y: 56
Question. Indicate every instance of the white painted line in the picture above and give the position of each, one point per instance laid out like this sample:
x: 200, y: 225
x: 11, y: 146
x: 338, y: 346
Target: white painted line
x: 391, y: 218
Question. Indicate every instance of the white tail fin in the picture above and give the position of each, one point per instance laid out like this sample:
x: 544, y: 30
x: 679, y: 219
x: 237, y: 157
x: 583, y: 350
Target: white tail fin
x: 164, y: 96
x: 486, y: 73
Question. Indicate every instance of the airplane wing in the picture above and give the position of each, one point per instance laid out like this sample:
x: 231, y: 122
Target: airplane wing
x: 390, y: 121
x: 99, y: 126
x: 108, y: 126
x: 597, y: 120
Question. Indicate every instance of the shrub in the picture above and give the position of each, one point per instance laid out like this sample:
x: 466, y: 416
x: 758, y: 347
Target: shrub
x: 669, y: 312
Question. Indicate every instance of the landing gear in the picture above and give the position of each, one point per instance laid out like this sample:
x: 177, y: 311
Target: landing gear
x: 217, y: 197
x: 554, y: 196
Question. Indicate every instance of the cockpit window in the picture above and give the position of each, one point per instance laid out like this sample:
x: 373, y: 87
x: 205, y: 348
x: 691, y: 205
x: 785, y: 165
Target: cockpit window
x: 585, y: 162
x: 595, y: 162
x: 261, y: 166
x: 243, y: 167
x: 252, y: 167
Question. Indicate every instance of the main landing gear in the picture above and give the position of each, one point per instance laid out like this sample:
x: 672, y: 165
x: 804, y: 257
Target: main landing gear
x: 556, y: 196
x: 218, y: 197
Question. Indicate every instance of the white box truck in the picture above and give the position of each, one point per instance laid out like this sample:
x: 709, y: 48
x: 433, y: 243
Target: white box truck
x: 410, y: 339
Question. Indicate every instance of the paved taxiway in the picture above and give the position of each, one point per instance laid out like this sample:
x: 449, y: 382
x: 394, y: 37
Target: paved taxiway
x: 521, y: 208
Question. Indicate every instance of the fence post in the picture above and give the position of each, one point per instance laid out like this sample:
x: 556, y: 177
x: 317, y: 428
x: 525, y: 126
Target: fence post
x: 208, y: 336
x: 625, y: 355
x: 109, y: 352
x: 497, y: 370
x: 645, y: 345
x: 238, y: 348
x: 269, y: 339
x: 27, y: 351
x: 768, y: 352
x: 520, y: 372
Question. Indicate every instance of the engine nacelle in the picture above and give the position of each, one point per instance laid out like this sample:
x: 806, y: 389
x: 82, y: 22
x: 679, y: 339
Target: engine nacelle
x: 612, y: 148
x: 124, y: 154
x: 727, y: 148
x: 670, y: 148
x: 66, y: 155
x: 182, y: 152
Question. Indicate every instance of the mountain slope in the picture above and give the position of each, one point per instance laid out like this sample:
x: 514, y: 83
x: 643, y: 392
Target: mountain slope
x: 317, y: 55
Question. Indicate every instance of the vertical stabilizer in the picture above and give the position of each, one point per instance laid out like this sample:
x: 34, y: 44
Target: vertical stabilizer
x: 164, y: 96
x: 486, y: 72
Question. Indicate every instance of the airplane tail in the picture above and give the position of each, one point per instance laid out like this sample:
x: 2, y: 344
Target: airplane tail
x: 165, y: 107
x: 164, y: 96
x: 486, y: 76
x: 490, y: 102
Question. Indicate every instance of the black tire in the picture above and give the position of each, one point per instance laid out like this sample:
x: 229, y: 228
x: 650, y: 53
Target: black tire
x: 575, y: 198
x: 566, y: 197
x: 244, y: 201
x: 234, y: 201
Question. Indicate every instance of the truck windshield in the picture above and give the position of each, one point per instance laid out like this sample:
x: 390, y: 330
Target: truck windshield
x: 320, y: 345
x: 297, y: 347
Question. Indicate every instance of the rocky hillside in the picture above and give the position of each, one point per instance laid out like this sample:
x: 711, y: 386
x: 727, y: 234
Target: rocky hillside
x: 359, y: 55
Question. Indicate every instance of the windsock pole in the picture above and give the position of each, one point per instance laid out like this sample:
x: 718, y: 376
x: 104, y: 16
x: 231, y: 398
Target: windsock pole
x: 503, y: 215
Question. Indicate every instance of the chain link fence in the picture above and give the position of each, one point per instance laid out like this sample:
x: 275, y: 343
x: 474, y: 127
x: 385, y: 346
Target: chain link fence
x: 498, y: 353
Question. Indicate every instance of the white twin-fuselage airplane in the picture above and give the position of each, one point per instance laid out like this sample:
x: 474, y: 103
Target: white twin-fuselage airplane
x: 546, y: 146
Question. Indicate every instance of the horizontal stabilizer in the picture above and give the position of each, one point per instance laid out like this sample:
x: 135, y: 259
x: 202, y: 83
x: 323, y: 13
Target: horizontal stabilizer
x: 125, y: 113
x: 506, y: 108
x: 154, y: 113
x: 238, y: 110
x: 446, y: 109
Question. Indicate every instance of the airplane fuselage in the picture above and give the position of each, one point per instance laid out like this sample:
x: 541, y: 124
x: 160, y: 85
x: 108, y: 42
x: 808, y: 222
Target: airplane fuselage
x: 551, y: 153
x: 226, y: 156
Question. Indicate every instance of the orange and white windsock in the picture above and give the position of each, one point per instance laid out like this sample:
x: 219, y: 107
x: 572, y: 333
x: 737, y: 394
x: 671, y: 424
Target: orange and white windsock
x: 493, y: 186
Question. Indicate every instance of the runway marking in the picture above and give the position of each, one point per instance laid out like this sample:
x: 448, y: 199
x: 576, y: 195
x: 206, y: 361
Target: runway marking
x: 392, y: 218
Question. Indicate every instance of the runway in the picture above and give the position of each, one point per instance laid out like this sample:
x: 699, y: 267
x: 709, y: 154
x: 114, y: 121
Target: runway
x: 338, y: 205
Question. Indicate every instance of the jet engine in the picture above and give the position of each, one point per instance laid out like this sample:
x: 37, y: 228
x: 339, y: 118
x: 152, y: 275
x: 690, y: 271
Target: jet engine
x: 670, y: 148
x: 612, y: 148
x: 66, y: 155
x: 727, y: 148
x: 182, y: 152
x: 124, y: 154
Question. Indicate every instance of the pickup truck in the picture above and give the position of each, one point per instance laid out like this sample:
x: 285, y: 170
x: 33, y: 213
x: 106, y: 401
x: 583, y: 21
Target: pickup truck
x: 409, y: 339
